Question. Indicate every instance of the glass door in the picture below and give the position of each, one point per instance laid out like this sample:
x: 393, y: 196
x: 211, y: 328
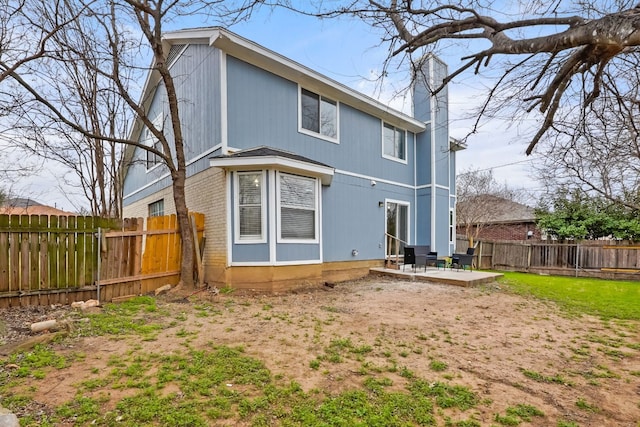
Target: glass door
x: 397, y: 226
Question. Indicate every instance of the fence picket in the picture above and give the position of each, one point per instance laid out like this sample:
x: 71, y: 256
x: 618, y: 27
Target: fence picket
x: 4, y: 254
x: 43, y: 238
x: 53, y: 248
x: 24, y: 253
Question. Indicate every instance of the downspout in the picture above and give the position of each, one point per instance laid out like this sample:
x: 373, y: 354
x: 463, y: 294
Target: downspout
x: 433, y: 158
x: 415, y: 189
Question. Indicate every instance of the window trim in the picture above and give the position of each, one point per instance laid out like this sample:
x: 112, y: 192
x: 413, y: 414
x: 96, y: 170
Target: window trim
x: 155, y: 203
x: 314, y: 134
x: 236, y: 207
x: 316, y: 216
x: 395, y: 129
x: 452, y: 226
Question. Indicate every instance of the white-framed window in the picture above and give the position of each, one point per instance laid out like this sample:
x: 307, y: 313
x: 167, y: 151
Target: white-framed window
x: 156, y: 208
x: 250, y: 209
x: 298, y: 208
x: 394, y: 144
x: 318, y: 116
x: 152, y: 158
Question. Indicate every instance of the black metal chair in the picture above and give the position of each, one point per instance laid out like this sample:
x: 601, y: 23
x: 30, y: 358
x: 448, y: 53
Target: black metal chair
x: 409, y: 257
x: 463, y: 260
x: 432, y: 259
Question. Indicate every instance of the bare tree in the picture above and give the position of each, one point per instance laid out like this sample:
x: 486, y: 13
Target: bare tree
x: 67, y: 76
x: 478, y: 197
x: 123, y: 31
x: 553, y: 57
x: 601, y: 156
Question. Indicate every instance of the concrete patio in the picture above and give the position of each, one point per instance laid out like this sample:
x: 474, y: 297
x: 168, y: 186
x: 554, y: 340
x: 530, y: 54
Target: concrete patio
x: 439, y: 275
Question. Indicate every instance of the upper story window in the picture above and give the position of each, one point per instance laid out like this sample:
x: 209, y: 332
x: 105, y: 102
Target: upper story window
x: 250, y: 212
x: 318, y: 115
x: 156, y: 208
x: 394, y: 143
x: 298, y: 219
x: 150, y: 140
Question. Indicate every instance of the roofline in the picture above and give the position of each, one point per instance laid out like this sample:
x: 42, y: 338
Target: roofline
x: 280, y: 65
x: 325, y: 173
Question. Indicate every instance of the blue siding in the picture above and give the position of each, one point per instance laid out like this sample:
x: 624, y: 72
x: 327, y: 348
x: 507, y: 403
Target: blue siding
x: 261, y: 107
x: 297, y: 252
x: 257, y: 252
x: 352, y: 218
x: 263, y: 110
x: 423, y: 157
x: 197, y: 83
x: 423, y: 216
x: 442, y: 221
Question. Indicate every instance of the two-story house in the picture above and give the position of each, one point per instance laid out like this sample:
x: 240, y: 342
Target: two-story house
x: 300, y: 177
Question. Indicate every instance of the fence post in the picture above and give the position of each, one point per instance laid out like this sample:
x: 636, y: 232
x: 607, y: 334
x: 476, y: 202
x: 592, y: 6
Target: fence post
x: 99, y: 264
x: 577, y: 257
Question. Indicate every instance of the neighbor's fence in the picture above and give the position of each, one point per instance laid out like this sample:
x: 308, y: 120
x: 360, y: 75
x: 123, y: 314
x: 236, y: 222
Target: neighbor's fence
x: 54, y: 259
x: 605, y: 259
x: 42, y: 254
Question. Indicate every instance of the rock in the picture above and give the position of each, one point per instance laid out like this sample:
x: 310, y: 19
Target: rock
x: 41, y: 326
x: 91, y: 303
x: 77, y: 304
x: 7, y: 419
x: 163, y: 290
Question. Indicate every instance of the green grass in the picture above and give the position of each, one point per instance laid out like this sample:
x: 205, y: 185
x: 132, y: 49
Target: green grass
x: 604, y: 298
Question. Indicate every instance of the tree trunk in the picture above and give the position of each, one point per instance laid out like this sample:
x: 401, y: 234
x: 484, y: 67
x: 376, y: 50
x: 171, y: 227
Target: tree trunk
x: 184, y: 225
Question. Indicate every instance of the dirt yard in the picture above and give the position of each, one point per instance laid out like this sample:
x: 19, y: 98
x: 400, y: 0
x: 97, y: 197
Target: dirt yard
x: 508, y: 349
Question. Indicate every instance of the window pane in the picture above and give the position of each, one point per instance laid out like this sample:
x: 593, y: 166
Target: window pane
x: 310, y: 104
x: 296, y: 191
x: 388, y: 141
x: 156, y: 208
x: 400, y: 144
x: 250, y: 205
x: 298, y: 223
x: 329, y: 118
x: 250, y: 191
x: 250, y: 221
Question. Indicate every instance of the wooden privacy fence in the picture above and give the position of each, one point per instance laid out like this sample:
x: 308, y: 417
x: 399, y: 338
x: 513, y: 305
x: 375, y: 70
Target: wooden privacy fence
x: 42, y: 254
x: 605, y: 259
x: 54, y: 259
x: 136, y: 260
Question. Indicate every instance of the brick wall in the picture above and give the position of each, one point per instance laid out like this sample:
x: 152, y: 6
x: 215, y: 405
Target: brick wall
x: 206, y: 193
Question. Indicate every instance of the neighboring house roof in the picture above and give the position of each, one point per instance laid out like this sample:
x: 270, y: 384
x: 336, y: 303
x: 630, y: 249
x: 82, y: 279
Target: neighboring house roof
x: 504, y: 211
x: 275, y: 63
x: 271, y: 157
x: 23, y: 206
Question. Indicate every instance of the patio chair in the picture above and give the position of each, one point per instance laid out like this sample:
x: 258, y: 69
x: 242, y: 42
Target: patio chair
x: 432, y: 259
x: 409, y: 257
x: 463, y: 260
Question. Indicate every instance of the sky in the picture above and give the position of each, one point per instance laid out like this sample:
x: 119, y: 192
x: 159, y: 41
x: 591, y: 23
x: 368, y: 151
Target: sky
x: 350, y: 52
